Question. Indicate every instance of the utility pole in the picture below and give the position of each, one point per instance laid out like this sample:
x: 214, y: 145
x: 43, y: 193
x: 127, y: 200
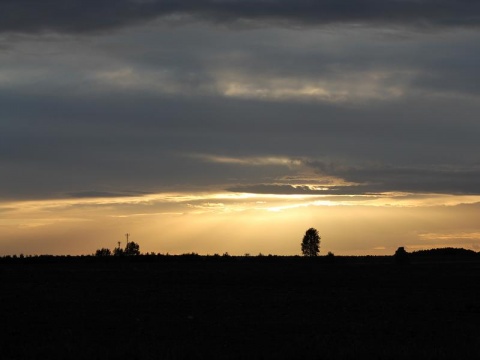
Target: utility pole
x: 127, y: 235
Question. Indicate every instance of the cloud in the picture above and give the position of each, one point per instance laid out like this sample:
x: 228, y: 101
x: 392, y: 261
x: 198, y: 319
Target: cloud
x: 77, y: 16
x: 428, y: 179
x: 66, y: 144
x: 450, y: 236
x: 248, y: 161
x: 276, y: 189
x: 376, y: 179
x: 104, y: 194
x: 120, y: 110
x: 338, y: 65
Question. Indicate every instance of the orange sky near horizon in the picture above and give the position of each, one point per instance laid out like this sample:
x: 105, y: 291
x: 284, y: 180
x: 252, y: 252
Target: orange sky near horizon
x: 209, y: 223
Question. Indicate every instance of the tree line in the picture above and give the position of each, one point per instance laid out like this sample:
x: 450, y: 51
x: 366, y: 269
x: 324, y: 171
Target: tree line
x: 310, y: 246
x: 131, y: 249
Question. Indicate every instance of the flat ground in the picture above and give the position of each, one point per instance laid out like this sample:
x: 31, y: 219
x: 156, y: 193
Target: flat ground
x: 278, y: 308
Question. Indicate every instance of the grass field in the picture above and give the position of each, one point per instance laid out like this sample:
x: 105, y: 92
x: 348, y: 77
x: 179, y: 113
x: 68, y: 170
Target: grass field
x: 238, y: 308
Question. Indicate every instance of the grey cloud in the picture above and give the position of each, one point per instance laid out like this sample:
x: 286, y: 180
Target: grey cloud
x: 194, y: 60
x: 63, y: 133
x: 276, y: 189
x: 379, y: 179
x: 76, y: 16
x: 428, y: 179
x: 52, y: 145
x: 104, y: 194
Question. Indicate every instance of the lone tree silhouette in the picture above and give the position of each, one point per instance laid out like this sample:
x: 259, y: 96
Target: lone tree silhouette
x: 311, y: 243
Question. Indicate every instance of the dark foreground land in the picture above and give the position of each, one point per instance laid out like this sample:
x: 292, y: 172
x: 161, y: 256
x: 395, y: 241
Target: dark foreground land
x: 257, y: 308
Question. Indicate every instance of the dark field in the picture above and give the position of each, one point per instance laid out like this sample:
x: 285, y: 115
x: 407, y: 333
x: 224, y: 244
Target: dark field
x: 254, y: 308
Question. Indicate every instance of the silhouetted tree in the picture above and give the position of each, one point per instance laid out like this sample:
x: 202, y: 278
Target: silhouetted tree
x: 103, y: 252
x: 401, y: 256
x: 132, y: 248
x: 311, y: 243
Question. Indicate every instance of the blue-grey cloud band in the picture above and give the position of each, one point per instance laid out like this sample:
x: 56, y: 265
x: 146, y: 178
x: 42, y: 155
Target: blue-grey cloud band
x: 42, y: 156
x: 77, y: 16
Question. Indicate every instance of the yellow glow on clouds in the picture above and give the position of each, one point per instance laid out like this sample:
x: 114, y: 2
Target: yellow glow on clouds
x: 249, y: 161
x: 343, y: 87
x: 238, y: 223
x: 355, y: 86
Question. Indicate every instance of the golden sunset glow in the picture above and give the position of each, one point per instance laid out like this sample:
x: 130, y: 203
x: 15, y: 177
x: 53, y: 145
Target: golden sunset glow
x: 239, y: 223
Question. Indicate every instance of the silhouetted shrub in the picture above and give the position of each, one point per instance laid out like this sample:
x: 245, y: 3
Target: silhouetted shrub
x: 330, y: 258
x: 118, y: 251
x: 103, y: 252
x: 192, y: 255
x: 446, y: 253
x: 401, y: 256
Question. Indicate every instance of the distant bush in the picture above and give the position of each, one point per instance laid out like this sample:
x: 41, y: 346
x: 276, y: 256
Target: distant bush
x: 131, y: 249
x: 192, y: 255
x: 103, y: 252
x: 330, y: 258
x: 401, y: 256
x: 118, y: 251
x: 446, y: 252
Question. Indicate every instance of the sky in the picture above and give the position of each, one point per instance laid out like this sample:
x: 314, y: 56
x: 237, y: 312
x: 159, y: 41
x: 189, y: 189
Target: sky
x: 215, y: 126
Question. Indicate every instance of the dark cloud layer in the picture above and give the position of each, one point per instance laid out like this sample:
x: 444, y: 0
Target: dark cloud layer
x: 387, y: 109
x: 275, y: 189
x: 371, y: 180
x: 433, y: 179
x: 60, y: 145
x: 72, y: 16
